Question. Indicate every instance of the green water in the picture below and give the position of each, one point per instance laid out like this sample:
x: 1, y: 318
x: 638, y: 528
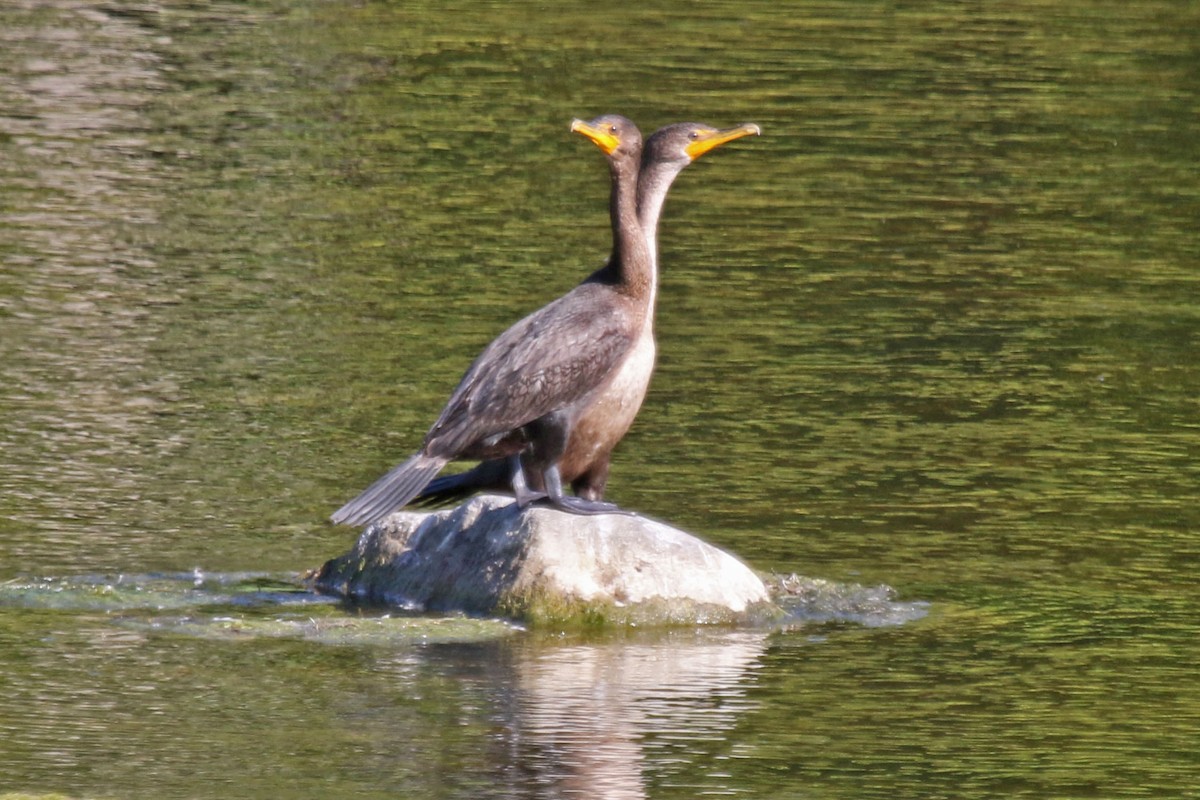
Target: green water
x: 937, y: 328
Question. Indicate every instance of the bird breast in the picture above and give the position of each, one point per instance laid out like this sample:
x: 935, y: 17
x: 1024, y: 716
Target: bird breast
x: 606, y: 421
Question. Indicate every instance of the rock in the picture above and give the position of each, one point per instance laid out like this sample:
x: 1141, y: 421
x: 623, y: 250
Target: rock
x: 542, y: 565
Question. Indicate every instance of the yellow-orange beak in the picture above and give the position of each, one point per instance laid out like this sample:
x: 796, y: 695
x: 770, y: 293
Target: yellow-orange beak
x: 712, y: 138
x: 605, y: 140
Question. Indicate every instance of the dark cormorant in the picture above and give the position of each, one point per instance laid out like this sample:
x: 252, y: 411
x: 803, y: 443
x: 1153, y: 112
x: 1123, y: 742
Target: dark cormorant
x: 522, y: 396
x: 607, y: 419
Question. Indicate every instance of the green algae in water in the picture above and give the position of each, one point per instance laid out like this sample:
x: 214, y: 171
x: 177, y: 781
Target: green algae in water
x: 330, y: 629
x: 816, y: 600
x: 155, y: 592
x: 236, y: 607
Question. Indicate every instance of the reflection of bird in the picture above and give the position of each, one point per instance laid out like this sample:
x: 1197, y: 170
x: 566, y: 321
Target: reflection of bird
x: 526, y: 390
x: 607, y: 418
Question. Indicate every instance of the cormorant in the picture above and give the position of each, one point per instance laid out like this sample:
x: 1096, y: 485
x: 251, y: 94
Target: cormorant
x: 586, y: 459
x: 521, y: 397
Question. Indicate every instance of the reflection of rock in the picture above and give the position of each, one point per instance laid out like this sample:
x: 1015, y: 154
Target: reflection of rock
x: 612, y: 717
x: 488, y: 556
x: 591, y: 710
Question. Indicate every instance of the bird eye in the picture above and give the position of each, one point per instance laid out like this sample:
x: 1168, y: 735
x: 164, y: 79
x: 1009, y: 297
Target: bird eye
x: 612, y: 129
x: 694, y: 135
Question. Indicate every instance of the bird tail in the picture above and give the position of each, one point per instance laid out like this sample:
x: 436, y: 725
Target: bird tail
x: 390, y: 492
x: 494, y: 475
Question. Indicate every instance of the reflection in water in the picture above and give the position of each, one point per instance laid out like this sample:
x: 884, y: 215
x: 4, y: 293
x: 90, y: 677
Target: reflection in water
x: 589, y: 711
x: 584, y: 719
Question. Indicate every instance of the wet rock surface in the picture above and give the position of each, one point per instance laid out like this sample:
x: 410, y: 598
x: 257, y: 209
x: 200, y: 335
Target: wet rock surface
x: 487, y: 556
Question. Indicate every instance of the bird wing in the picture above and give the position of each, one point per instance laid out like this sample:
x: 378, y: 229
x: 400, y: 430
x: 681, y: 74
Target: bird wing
x: 549, y: 360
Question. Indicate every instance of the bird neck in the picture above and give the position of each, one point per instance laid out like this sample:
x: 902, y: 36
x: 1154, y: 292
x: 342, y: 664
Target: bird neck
x: 631, y: 258
x: 653, y: 184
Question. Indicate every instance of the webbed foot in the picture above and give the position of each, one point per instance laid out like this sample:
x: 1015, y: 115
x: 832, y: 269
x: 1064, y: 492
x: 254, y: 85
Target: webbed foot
x: 577, y: 505
x: 556, y: 498
x: 528, y: 498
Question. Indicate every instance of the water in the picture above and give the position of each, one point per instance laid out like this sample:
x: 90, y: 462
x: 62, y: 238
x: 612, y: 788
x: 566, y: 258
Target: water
x: 935, y: 329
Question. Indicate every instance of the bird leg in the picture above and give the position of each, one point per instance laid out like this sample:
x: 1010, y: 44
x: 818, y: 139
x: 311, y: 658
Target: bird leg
x: 556, y: 498
x: 520, y: 485
x: 548, y: 441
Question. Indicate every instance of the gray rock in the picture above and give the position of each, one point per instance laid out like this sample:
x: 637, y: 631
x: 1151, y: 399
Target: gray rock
x: 541, y: 565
